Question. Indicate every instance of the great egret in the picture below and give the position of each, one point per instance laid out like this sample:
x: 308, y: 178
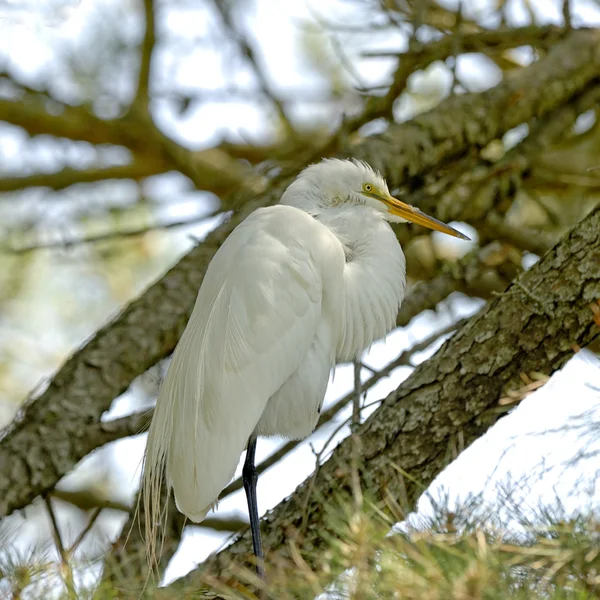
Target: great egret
x: 295, y: 288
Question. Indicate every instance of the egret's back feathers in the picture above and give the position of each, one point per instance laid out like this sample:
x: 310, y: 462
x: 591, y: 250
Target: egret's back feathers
x: 256, y: 316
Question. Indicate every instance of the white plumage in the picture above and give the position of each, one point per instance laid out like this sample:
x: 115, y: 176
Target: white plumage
x: 294, y: 289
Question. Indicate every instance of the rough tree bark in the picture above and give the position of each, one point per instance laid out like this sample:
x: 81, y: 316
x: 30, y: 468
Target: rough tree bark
x: 535, y: 325
x: 35, y: 452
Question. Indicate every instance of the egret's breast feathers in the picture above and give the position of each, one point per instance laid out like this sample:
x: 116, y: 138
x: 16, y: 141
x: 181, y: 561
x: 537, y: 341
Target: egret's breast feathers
x: 374, y: 278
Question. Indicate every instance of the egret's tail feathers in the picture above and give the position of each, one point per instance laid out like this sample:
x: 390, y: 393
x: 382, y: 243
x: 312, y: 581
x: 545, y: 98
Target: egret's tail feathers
x: 201, y: 462
x: 154, y: 492
x: 187, y: 451
x: 192, y: 512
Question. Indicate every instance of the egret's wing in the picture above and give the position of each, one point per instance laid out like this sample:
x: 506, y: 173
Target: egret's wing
x: 255, y: 318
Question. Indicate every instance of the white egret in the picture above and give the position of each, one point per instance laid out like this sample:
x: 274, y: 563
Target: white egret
x: 295, y: 288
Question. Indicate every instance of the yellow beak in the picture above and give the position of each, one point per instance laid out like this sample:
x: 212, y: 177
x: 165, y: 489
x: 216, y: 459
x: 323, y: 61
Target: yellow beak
x: 414, y: 215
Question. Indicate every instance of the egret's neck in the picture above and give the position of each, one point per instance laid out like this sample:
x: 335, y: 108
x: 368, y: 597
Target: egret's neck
x: 374, y: 275
x: 358, y: 228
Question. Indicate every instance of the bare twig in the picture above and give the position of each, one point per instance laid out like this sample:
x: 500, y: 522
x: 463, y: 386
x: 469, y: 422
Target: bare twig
x: 64, y: 554
x: 140, y: 101
x: 136, y: 170
x: 457, y: 50
x: 111, y: 235
x: 567, y: 14
x: 93, y: 517
x: 356, y: 398
x: 88, y: 500
x: 344, y: 423
x: 247, y: 50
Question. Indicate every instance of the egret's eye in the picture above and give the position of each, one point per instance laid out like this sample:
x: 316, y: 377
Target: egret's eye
x: 368, y: 187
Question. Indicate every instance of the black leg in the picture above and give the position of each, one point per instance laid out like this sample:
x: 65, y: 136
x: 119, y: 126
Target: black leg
x: 250, y: 477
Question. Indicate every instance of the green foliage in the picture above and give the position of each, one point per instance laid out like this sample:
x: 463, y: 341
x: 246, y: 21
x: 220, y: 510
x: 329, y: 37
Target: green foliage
x: 451, y: 555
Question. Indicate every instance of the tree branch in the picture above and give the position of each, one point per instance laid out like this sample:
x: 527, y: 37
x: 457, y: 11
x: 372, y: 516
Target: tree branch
x: 427, y: 54
x: 482, y: 273
x: 473, y: 120
x: 479, y: 41
x: 224, y: 10
x: 121, y: 234
x: 212, y: 169
x: 136, y: 170
x: 35, y: 454
x: 88, y: 500
x: 140, y: 102
x: 464, y: 198
x: 453, y: 395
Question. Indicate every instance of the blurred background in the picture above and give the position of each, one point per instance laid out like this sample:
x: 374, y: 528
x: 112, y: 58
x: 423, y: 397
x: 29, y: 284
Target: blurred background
x: 95, y: 206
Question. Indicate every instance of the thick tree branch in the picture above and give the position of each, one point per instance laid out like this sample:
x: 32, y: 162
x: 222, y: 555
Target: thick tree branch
x: 478, y: 190
x: 35, y: 454
x: 473, y: 120
x: 31, y: 112
x: 479, y: 41
x: 425, y: 55
x: 533, y: 326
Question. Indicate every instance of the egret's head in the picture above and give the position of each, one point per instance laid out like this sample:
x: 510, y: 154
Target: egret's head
x: 333, y: 183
